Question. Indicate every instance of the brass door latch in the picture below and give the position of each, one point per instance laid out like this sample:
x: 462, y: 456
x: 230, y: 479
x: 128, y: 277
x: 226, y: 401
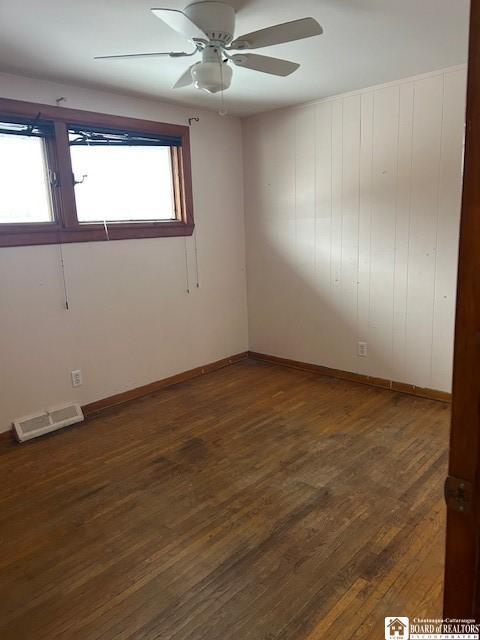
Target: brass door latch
x: 458, y: 494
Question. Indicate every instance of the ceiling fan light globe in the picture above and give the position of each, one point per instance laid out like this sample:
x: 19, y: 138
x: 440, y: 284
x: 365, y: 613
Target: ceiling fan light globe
x: 211, y: 76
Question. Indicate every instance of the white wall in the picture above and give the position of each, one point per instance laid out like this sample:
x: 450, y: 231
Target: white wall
x: 130, y: 320
x: 352, y: 208
x: 352, y: 223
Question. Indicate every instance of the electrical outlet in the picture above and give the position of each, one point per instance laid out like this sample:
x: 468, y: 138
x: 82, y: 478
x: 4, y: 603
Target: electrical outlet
x: 76, y: 378
x: 362, y: 349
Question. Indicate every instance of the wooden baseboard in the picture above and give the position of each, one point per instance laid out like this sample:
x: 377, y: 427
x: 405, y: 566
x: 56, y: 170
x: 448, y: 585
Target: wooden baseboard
x: 145, y: 390
x: 401, y: 387
x: 7, y: 436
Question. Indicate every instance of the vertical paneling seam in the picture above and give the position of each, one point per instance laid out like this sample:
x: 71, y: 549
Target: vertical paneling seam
x: 358, y: 215
x: 295, y: 133
x: 409, y: 218
x: 371, y: 216
x: 341, y: 207
x: 331, y: 194
x: 440, y: 158
x: 395, y: 248
x: 315, y: 191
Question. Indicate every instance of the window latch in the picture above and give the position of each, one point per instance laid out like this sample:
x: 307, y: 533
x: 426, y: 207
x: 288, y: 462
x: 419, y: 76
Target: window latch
x: 53, y: 178
x: 75, y: 182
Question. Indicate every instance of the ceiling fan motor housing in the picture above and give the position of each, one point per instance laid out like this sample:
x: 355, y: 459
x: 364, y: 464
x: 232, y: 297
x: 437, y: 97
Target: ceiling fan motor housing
x: 216, y: 19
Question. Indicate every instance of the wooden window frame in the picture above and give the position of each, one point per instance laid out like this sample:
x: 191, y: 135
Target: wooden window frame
x: 65, y: 227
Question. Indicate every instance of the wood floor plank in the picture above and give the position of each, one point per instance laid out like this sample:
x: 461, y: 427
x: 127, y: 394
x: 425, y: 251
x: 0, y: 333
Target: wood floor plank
x: 254, y: 503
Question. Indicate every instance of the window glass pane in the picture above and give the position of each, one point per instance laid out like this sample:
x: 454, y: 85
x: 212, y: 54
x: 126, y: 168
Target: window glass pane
x: 122, y: 183
x: 24, y: 187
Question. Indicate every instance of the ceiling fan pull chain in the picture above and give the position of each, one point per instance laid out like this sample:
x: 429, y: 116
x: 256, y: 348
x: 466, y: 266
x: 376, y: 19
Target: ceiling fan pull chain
x: 223, y: 109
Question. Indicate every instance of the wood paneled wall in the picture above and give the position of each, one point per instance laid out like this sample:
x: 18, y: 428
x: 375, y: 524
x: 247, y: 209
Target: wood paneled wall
x: 352, y: 208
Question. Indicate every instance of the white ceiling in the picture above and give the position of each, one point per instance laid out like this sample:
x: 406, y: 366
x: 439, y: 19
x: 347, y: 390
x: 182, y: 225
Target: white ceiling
x: 366, y: 42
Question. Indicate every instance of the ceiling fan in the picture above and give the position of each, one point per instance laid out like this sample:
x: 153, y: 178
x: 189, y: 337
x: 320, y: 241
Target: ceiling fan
x: 210, y: 27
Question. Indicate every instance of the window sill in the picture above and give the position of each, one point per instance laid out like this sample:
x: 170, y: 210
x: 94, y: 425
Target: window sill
x: 17, y: 236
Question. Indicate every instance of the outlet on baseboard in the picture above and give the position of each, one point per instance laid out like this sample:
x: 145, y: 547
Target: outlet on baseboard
x: 76, y: 378
x: 362, y: 349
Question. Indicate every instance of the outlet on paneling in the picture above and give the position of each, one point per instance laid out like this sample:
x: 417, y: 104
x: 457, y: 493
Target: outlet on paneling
x: 362, y: 349
x: 76, y: 378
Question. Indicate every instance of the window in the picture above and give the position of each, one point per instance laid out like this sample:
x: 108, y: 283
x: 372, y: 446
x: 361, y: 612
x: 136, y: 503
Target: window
x: 23, y: 156
x: 74, y: 176
x: 121, y: 177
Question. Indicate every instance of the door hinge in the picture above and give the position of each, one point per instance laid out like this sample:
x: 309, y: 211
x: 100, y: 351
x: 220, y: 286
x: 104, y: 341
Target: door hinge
x: 458, y: 494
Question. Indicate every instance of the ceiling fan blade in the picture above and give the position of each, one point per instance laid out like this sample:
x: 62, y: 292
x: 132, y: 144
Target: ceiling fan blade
x: 286, y: 32
x: 180, y: 22
x: 171, y: 54
x: 274, y: 66
x: 185, y: 79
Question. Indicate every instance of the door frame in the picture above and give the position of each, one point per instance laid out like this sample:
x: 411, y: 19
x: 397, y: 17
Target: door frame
x: 462, y: 576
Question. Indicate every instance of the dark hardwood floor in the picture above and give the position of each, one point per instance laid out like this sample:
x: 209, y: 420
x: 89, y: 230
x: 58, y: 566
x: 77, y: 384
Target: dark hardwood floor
x: 254, y: 503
